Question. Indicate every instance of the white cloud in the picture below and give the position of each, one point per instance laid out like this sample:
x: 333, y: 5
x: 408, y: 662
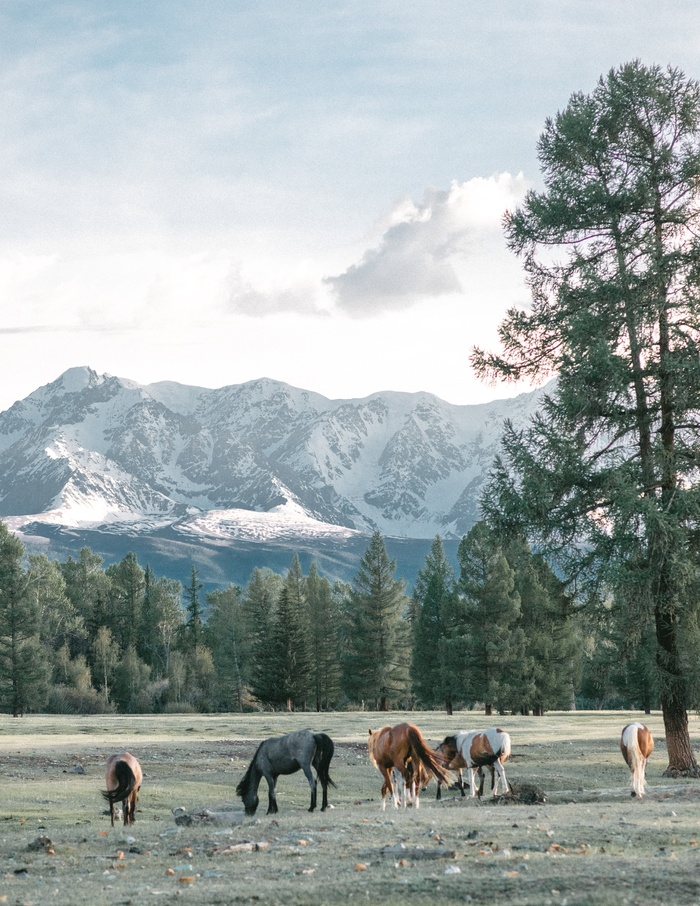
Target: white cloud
x: 432, y: 249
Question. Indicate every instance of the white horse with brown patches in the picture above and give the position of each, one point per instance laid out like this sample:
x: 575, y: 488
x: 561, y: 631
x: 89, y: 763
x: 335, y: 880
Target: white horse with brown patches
x: 484, y: 748
x: 637, y: 744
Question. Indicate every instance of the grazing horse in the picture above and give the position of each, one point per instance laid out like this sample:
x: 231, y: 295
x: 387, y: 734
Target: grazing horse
x: 402, y: 748
x: 483, y: 748
x: 123, y: 776
x: 300, y: 750
x: 637, y: 744
x: 455, y: 762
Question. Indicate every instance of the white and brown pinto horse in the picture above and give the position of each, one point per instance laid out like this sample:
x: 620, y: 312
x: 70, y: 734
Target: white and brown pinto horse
x: 123, y: 776
x: 637, y: 744
x: 484, y: 748
x: 403, y: 750
x: 455, y: 762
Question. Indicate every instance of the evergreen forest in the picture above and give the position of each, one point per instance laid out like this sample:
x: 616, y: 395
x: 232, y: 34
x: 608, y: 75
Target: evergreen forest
x: 500, y: 633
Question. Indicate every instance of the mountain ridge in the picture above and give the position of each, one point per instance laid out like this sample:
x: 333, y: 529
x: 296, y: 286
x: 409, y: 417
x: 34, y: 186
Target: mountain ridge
x: 258, y: 461
x: 91, y: 450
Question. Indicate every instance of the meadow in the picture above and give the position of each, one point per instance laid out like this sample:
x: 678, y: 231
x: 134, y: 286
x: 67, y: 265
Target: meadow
x: 588, y: 843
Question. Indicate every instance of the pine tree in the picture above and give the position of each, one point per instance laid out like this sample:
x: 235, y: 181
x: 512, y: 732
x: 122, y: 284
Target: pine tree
x: 291, y: 668
x: 378, y: 646
x: 291, y: 642
x: 87, y: 588
x: 434, y: 602
x: 489, y: 639
x: 226, y: 637
x: 193, y: 609
x: 552, y: 640
x: 24, y: 669
x: 125, y: 601
x: 259, y: 606
x: 324, y: 627
x: 606, y: 476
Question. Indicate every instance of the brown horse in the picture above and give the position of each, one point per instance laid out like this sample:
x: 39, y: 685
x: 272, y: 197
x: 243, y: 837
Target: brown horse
x: 123, y: 776
x: 403, y: 748
x: 637, y: 744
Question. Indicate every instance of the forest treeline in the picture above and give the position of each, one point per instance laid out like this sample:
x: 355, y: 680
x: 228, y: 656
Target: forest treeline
x: 501, y: 633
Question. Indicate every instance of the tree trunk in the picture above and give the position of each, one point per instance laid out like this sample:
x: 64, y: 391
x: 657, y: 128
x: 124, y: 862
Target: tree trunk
x: 488, y: 709
x: 681, y: 760
x: 448, y: 706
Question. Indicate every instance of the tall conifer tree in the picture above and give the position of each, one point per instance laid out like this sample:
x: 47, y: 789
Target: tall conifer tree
x: 324, y: 628
x: 435, y: 600
x: 378, y: 645
x: 607, y: 477
x: 24, y: 670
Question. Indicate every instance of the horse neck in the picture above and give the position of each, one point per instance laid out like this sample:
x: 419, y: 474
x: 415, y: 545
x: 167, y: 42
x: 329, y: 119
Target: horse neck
x: 251, y: 782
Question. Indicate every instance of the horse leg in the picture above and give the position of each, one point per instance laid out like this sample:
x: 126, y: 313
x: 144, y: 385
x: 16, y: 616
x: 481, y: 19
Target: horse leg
x: 387, y: 787
x: 308, y: 773
x: 460, y: 783
x: 324, y: 797
x: 480, y: 772
x: 271, y: 799
x: 500, y: 775
x: 472, y: 781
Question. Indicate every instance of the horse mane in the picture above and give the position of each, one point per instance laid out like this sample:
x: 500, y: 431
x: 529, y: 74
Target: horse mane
x: 246, y: 781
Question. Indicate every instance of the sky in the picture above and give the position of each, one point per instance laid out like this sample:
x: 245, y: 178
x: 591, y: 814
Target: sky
x: 213, y: 192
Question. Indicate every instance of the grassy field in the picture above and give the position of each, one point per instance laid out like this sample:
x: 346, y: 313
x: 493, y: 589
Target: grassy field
x: 589, y: 843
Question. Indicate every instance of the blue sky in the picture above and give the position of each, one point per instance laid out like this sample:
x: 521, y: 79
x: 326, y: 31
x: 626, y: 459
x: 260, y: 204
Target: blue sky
x: 211, y: 192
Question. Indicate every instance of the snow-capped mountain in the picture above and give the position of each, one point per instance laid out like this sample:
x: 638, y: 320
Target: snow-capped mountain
x: 248, y: 461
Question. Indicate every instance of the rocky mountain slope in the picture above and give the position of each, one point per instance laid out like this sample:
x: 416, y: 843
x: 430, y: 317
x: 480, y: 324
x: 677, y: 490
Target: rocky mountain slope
x: 252, y: 461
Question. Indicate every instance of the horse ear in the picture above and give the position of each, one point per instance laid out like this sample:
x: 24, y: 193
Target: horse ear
x: 370, y: 732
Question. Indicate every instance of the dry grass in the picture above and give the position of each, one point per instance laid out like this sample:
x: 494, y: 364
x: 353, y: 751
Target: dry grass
x: 590, y: 843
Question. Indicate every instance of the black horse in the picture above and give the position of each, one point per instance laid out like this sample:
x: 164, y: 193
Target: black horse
x: 300, y: 750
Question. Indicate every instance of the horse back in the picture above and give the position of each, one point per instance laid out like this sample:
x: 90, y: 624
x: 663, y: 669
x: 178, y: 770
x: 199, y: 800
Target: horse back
x: 378, y: 745
x: 484, y: 747
x: 645, y: 740
x: 636, y: 737
x: 123, y: 767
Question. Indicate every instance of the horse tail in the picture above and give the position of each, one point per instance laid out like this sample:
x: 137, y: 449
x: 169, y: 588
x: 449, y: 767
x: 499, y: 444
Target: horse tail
x: 322, y: 757
x: 636, y: 745
x: 427, y: 757
x: 126, y: 783
x: 246, y: 781
x: 503, y: 745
